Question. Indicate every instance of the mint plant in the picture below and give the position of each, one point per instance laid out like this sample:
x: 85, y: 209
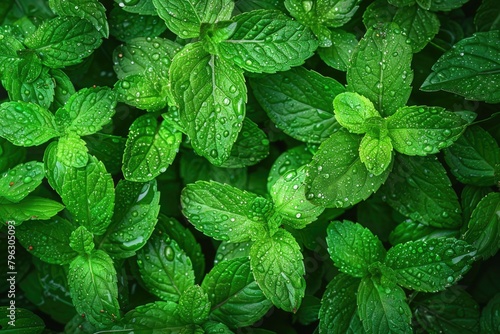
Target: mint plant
x: 220, y: 166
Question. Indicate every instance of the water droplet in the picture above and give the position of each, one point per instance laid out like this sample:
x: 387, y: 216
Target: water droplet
x: 27, y: 179
x: 169, y: 253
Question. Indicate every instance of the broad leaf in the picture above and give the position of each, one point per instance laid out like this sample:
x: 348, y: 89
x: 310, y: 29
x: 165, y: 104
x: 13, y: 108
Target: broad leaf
x: 488, y: 16
x: 91, y: 10
x: 410, y: 230
x: 419, y: 188
x: 430, y: 265
x: 134, y: 218
x: 221, y: 211
x: 337, y: 177
x: 48, y: 240
x: 421, y: 130
x: 299, y: 102
x: 26, y: 124
x: 31, y: 207
x: 382, y: 306
x: 63, y: 88
x: 470, y: 68
x: 165, y: 268
x: 150, y: 148
x: 474, y: 158
x: 92, y: 283
x: 18, y: 182
x: 353, y: 248
x: 380, y: 68
x: 268, y: 41
x: 212, y: 102
x: 338, y: 55
x: 126, y: 26
x: 278, y: 269
x: 155, y: 318
x: 24, y: 321
x: 64, y: 41
x: 235, y: 297
x: 420, y: 25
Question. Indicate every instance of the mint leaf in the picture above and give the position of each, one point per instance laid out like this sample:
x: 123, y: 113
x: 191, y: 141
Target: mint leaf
x: 72, y: 151
x: 337, y: 177
x: 235, y: 297
x: 353, y: 110
x: 143, y: 7
x: 146, y: 91
x: 213, y: 327
x: 338, y: 305
x: 87, y: 111
x: 353, y: 248
x: 81, y: 241
x: 278, y: 269
x: 419, y: 24
x: 63, y: 88
x: 221, y: 211
x: 410, y: 230
x: 26, y: 321
x: 422, y: 130
x: 64, y: 41
x: 31, y: 207
x: 9, y: 45
x: 299, y: 102
x: 380, y: 68
x: 419, y: 188
x: 444, y: 6
x: 10, y: 155
x: 470, y: 198
x: 134, y: 218
x: 289, y: 160
x: 92, y: 283
x: 338, y: 55
x: 483, y: 230
x: 126, y: 26
x: 376, y: 153
x: 268, y: 41
x: 489, y: 321
x: 487, y: 16
x: 48, y: 240
x: 382, y: 306
x: 184, y: 18
x: 194, y: 306
x: 165, y: 268
x: 232, y: 250
x: 91, y: 10
x: 469, y: 69
x: 26, y: 124
x: 157, y: 317
x: 18, y: 182
x: 108, y: 149
x: 150, y: 148
x: 288, y: 194
x: 474, y: 158
x: 430, y: 265
x: 212, y: 103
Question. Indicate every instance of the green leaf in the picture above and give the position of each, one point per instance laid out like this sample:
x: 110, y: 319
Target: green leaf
x: 91, y: 10
x: 419, y: 24
x: 376, y: 153
x: 278, y: 270
x: 150, y: 148
x: 436, y: 5
x: 469, y: 69
x: 484, y: 226
x: 9, y: 45
x: 64, y: 41
x: 20, y: 321
x: 337, y: 177
x: 165, y: 268
x: 126, y: 26
x: 382, y: 306
x: 338, y: 305
x: 236, y: 299
x: 319, y: 15
x: 353, y: 248
x: 381, y: 11
x: 26, y: 124
x: 135, y: 216
x: 268, y: 41
x: 184, y: 18
x: 487, y: 16
x: 108, y: 149
x: 430, y: 265
x: 63, y: 88
x: 18, y: 182
x: 489, y: 321
x: 155, y: 318
x: 410, y: 230
x: 143, y: 7
x: 470, y: 198
x: 48, y: 240
x: 353, y: 110
x: 212, y: 103
x: 232, y: 250
x: 147, y: 91
x: 92, y: 283
x: 72, y: 151
x: 82, y: 241
x: 221, y: 211
x: 289, y: 160
x: 380, y: 68
x: 194, y: 306
x: 289, y: 196
x: 419, y: 188
x: 338, y: 55
x: 449, y: 311
x: 31, y: 207
x: 10, y: 155
x: 422, y: 130
x: 299, y: 102
x: 87, y: 111
x: 213, y: 327
x: 474, y: 158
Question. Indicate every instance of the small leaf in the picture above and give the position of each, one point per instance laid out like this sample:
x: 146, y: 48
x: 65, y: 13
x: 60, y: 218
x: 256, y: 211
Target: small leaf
x: 82, y: 241
x: 338, y: 55
x: 194, y: 306
x: 147, y: 91
x: 31, y: 207
x: 353, y: 110
x: 91, y: 10
x: 18, y: 182
x: 26, y: 124
x: 278, y: 270
x: 143, y: 7
x: 72, y: 151
x: 157, y: 317
x: 353, y: 248
x: 376, y: 153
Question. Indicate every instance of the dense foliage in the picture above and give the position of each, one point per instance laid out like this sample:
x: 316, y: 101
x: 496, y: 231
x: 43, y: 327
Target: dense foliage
x: 250, y: 166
